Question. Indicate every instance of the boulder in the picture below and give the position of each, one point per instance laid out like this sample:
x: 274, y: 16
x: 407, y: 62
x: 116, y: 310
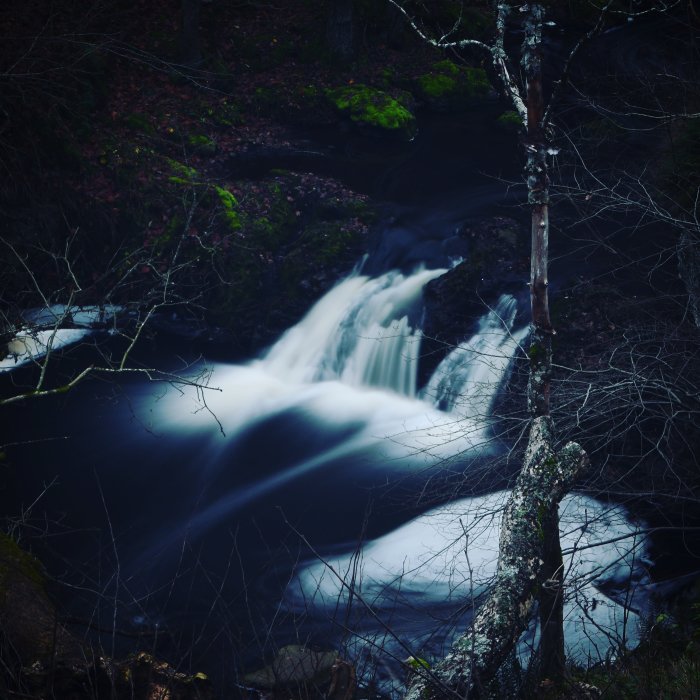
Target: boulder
x: 298, y: 671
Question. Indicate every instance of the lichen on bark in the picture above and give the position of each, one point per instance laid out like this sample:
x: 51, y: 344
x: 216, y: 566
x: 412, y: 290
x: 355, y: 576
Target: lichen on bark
x: 477, y: 655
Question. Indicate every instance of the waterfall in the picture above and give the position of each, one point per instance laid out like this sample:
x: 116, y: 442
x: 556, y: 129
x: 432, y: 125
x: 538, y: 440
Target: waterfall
x: 317, y: 426
x: 349, y: 369
x: 359, y: 333
x: 465, y: 379
x: 353, y: 359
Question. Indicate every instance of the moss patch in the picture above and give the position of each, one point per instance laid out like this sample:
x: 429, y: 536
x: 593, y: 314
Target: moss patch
x: 510, y: 121
x: 182, y: 174
x: 202, y: 144
x: 229, y: 205
x: 450, y: 86
x: 367, y: 106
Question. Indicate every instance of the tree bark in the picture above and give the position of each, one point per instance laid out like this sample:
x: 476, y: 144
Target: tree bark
x: 530, y: 563
x: 551, y: 603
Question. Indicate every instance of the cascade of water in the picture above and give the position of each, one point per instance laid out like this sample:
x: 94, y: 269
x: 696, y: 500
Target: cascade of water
x: 359, y: 333
x: 428, y: 565
x: 467, y: 379
x: 353, y: 360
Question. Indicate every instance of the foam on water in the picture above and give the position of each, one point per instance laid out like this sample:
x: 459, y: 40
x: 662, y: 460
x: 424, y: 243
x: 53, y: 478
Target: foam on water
x: 446, y: 557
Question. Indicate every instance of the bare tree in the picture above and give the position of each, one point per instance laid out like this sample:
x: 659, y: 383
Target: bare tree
x: 530, y: 563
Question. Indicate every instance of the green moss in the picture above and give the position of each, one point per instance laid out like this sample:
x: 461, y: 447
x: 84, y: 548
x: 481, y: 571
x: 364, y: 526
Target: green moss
x: 446, y: 67
x: 202, y: 144
x: 535, y: 352
x: 450, y: 85
x: 417, y: 663
x: 541, y: 514
x: 388, y: 76
x: 183, y: 173
x: 510, y: 121
x: 230, y: 208
x: 437, y: 85
x: 199, y: 140
x: 368, y: 106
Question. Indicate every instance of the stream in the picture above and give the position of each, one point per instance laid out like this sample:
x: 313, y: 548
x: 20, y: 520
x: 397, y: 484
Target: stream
x: 287, y: 497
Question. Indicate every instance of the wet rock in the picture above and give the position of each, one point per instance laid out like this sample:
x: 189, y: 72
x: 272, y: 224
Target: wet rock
x: 42, y: 658
x: 29, y: 625
x: 497, y: 263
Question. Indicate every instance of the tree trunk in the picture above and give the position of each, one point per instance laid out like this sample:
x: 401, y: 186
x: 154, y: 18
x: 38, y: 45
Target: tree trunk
x: 340, y: 30
x: 530, y: 562
x: 551, y: 603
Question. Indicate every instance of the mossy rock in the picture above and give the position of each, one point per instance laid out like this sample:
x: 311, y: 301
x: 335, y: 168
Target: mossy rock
x: 28, y: 618
x: 229, y: 206
x: 449, y: 86
x: 294, y: 664
x: 182, y: 174
x: 369, y: 107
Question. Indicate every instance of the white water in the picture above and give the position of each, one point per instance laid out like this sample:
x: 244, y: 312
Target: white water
x: 429, y: 564
x: 352, y: 363
x: 354, y: 359
x: 43, y: 333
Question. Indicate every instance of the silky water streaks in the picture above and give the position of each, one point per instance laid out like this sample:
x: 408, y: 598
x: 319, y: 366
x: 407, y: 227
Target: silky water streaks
x: 350, y: 367
x: 335, y: 401
x: 413, y: 589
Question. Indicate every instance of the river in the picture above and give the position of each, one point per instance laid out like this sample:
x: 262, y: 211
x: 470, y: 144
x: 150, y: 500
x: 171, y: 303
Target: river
x: 293, y: 496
